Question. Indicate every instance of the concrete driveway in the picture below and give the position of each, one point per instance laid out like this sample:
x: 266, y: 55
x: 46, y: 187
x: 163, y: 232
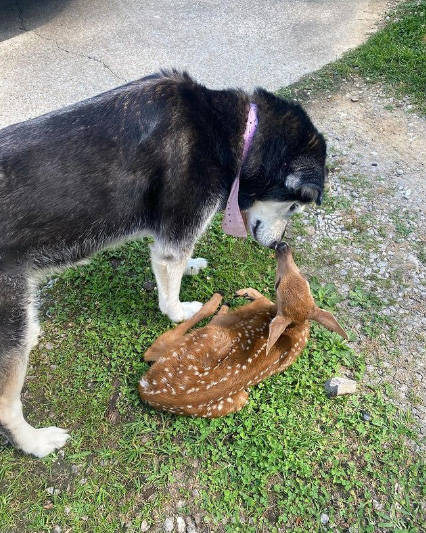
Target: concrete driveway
x: 55, y: 52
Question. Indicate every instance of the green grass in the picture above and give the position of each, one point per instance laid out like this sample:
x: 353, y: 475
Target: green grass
x: 394, y: 56
x: 290, y: 455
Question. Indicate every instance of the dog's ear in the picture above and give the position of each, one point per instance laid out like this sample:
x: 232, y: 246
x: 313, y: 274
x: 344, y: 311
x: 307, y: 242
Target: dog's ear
x: 326, y: 319
x: 276, y: 329
x: 306, y: 179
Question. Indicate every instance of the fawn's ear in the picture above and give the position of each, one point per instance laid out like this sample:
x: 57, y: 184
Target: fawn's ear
x: 276, y: 329
x: 326, y: 319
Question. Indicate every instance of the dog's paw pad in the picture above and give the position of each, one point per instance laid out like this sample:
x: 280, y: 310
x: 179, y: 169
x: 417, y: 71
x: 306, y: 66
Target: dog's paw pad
x: 194, y: 265
x: 47, y: 440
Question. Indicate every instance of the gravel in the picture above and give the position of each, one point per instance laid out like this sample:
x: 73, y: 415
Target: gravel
x: 375, y: 235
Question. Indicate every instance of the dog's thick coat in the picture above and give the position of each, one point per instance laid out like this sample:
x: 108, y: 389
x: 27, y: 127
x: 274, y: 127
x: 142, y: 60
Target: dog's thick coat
x: 155, y: 157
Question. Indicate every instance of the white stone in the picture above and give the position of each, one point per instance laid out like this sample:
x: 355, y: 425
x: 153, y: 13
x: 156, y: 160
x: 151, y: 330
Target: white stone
x: 324, y: 519
x: 339, y: 386
x: 180, y: 525
x: 190, y: 526
x: 169, y: 525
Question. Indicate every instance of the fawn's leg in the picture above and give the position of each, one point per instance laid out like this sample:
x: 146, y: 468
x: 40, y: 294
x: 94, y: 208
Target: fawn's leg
x: 229, y: 320
x: 167, y: 340
x: 251, y: 294
x: 227, y: 405
x: 223, y: 311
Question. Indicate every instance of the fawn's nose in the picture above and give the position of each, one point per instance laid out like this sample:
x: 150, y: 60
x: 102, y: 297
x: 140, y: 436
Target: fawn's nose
x: 281, y: 248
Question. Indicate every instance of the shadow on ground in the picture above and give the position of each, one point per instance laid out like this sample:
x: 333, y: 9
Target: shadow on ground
x: 18, y: 16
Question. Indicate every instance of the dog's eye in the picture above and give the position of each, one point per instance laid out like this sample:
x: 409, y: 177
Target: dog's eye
x: 293, y: 207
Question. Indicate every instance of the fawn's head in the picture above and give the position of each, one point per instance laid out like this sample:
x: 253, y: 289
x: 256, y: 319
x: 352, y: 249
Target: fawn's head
x: 294, y: 300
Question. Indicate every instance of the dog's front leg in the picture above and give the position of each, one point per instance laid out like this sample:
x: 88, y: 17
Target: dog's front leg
x: 169, y: 267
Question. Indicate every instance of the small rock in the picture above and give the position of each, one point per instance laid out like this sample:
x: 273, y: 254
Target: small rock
x: 52, y: 490
x: 366, y: 416
x: 190, y: 525
x: 324, y: 519
x: 144, y: 526
x: 399, y: 172
x: 115, y: 263
x: 180, y: 525
x: 168, y: 525
x: 48, y: 346
x: 149, y: 286
x: 354, y: 99
x: 413, y: 262
x: 340, y: 386
x: 377, y: 505
x: 57, y: 529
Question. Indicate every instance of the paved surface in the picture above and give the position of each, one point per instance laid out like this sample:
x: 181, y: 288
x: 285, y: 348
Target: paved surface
x: 55, y: 52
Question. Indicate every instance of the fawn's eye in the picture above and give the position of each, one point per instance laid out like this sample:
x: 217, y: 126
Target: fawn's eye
x: 277, y: 283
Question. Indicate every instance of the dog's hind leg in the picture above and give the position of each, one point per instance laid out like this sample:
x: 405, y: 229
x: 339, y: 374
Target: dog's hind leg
x: 18, y: 334
x: 169, y: 267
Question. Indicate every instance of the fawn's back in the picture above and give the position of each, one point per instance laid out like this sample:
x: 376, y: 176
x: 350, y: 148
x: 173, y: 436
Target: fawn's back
x: 208, y: 372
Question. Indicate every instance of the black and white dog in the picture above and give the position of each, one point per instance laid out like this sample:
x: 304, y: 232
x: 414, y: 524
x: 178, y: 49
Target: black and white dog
x: 155, y: 157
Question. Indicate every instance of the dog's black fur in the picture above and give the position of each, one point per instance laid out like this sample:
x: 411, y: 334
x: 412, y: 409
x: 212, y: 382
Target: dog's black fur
x: 157, y: 156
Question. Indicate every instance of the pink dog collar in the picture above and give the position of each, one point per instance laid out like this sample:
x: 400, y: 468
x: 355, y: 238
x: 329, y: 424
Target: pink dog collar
x: 233, y: 223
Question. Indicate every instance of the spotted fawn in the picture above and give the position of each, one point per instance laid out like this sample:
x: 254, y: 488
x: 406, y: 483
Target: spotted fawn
x: 206, y: 372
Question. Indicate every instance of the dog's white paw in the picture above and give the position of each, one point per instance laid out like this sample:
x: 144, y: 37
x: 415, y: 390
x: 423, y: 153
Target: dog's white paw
x: 184, y: 311
x: 45, y: 440
x: 194, y: 265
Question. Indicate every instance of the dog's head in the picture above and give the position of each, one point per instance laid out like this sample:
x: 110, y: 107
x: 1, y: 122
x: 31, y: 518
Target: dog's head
x: 285, y: 169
